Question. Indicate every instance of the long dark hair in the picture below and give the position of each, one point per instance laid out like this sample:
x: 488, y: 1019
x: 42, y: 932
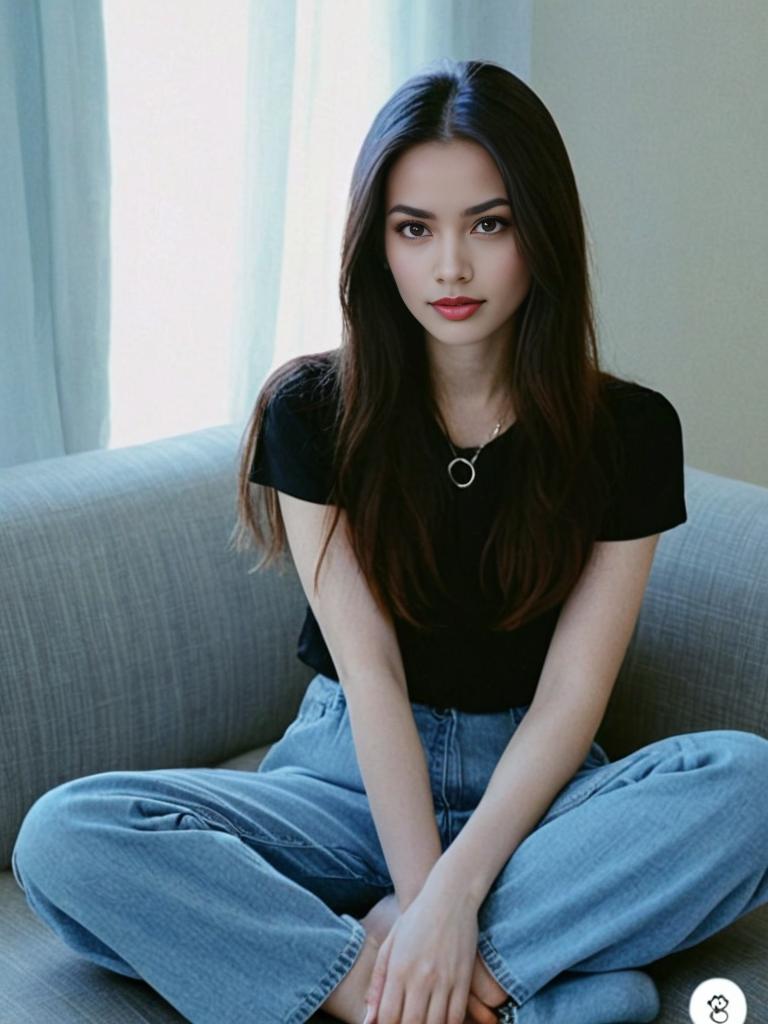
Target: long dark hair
x: 384, y: 479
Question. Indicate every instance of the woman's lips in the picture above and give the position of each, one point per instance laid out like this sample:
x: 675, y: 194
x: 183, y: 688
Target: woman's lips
x: 458, y: 312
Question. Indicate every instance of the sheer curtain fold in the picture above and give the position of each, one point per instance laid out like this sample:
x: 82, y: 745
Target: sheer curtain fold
x: 54, y: 245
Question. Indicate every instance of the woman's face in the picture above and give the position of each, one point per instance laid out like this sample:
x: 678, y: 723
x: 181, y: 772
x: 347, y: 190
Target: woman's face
x: 451, y: 253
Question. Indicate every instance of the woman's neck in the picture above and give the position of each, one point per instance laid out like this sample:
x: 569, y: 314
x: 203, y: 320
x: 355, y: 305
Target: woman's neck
x: 472, y: 423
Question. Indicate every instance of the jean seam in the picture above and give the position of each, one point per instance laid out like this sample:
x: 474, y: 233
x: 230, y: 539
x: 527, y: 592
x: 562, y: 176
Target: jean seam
x: 211, y: 817
x: 500, y: 972
x: 287, y: 843
x: 216, y: 819
x: 576, y: 801
x: 312, y: 712
x: 338, y: 970
x: 15, y: 870
x: 349, y: 873
x: 580, y: 798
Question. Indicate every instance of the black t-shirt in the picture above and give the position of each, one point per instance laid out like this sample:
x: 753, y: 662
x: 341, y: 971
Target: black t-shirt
x: 467, y: 665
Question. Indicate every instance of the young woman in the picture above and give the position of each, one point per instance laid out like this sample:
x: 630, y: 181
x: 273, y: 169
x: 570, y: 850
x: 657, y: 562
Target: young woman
x: 472, y: 506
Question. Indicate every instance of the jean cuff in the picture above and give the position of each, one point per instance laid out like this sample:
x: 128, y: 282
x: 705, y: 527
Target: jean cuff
x: 501, y: 973
x: 341, y: 966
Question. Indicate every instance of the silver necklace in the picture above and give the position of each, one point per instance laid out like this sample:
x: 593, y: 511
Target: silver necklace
x: 470, y: 463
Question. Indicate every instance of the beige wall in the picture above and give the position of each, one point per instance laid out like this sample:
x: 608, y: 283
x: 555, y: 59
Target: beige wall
x: 663, y: 106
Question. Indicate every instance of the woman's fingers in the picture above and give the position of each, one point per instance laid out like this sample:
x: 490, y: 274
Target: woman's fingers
x: 378, y: 979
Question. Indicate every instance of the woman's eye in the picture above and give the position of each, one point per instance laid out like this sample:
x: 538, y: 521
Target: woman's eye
x: 486, y: 220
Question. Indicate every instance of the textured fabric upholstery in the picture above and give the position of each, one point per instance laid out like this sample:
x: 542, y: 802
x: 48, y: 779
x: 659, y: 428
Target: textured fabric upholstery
x: 132, y: 636
x: 699, y: 656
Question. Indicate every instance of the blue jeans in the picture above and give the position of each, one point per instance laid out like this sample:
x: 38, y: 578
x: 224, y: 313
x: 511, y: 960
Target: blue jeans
x: 236, y: 895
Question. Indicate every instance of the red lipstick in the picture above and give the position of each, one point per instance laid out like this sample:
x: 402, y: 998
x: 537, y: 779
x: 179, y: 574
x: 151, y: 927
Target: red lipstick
x: 457, y: 307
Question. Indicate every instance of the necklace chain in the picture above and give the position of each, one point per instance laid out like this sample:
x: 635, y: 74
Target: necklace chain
x: 468, y: 462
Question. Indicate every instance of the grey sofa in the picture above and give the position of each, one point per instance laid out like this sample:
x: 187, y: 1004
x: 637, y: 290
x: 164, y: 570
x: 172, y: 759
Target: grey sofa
x: 133, y: 637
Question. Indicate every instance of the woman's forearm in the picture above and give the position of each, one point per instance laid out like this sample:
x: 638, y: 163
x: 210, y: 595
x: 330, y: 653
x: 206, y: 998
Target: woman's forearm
x: 394, y: 771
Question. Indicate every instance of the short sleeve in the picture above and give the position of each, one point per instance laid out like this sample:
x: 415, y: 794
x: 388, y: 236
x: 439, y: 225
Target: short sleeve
x: 292, y: 453
x: 649, y: 495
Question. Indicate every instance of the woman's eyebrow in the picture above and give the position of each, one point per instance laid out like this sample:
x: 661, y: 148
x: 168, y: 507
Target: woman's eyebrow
x: 414, y: 211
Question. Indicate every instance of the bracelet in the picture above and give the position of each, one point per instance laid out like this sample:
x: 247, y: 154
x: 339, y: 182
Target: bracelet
x: 507, y: 1012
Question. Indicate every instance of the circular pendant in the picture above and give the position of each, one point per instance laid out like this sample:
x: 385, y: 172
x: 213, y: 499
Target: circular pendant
x: 466, y: 463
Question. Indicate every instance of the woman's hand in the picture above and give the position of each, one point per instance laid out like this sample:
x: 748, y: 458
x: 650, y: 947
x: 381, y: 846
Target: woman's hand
x: 425, y: 966
x: 485, y: 993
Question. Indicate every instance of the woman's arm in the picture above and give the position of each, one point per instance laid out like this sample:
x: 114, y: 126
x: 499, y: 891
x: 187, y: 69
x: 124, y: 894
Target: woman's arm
x: 366, y: 652
x: 585, y: 654
x: 394, y: 770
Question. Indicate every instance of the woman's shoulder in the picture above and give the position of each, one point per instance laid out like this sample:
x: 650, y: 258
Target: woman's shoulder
x: 649, y: 494
x: 637, y: 406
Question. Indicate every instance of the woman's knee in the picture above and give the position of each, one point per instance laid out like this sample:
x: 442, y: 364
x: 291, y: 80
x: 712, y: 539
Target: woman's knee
x: 746, y: 750
x: 742, y: 758
x: 51, y: 832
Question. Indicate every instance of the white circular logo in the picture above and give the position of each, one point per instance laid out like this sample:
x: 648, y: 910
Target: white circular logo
x: 718, y: 1001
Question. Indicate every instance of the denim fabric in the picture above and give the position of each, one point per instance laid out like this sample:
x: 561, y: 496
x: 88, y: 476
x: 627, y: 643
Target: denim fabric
x: 237, y: 895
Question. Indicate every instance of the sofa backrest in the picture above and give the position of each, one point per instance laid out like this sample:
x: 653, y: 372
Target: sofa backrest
x: 132, y: 635
x: 698, y: 658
